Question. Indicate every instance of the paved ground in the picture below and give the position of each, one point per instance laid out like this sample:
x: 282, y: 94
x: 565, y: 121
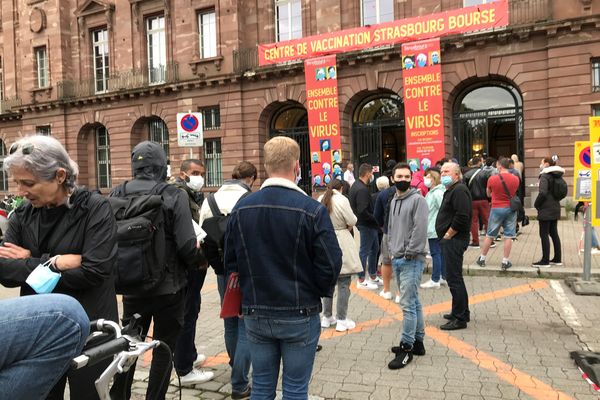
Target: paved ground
x: 516, y: 347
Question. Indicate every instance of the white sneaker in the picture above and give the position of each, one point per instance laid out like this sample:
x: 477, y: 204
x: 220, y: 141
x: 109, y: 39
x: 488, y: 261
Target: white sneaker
x: 377, y: 281
x: 326, y: 322
x: 196, y: 376
x: 366, y: 284
x: 595, y: 251
x: 430, y: 285
x: 199, y: 360
x: 397, y: 299
x: 386, y: 295
x: 345, y: 325
x: 443, y: 282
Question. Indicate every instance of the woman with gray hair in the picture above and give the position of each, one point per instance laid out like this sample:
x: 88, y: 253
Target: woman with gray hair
x: 61, y: 240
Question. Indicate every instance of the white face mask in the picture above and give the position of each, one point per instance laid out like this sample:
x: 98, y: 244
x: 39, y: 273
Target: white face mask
x: 427, y: 182
x: 298, y: 176
x: 372, y: 178
x: 196, y: 182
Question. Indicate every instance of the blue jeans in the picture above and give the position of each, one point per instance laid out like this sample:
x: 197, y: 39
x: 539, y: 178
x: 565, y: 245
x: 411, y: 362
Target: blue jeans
x: 369, y: 247
x: 273, y: 340
x: 439, y: 269
x: 236, y: 344
x: 408, y: 275
x: 185, y: 351
x: 39, y: 336
x: 505, y: 218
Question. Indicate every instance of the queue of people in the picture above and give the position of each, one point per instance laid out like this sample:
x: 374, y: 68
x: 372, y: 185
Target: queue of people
x: 71, y: 234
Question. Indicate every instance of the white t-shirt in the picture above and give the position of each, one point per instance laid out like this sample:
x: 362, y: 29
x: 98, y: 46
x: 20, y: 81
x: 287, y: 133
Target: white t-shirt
x: 349, y: 177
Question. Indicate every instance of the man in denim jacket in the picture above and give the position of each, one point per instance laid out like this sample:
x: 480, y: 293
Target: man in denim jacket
x: 283, y: 245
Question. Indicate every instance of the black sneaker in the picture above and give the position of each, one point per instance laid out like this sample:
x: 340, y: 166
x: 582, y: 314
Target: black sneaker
x: 557, y: 263
x: 418, y: 348
x: 403, y: 357
x: 493, y: 245
x: 474, y: 245
x: 241, y: 395
x: 506, y: 265
x: 451, y: 317
x: 480, y: 262
x: 453, y: 325
x: 541, y: 264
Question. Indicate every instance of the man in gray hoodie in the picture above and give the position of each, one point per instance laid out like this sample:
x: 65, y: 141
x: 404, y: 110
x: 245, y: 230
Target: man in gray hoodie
x: 407, y: 241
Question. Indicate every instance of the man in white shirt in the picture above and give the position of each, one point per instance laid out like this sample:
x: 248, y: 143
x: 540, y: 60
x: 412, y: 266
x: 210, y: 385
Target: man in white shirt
x: 349, y: 174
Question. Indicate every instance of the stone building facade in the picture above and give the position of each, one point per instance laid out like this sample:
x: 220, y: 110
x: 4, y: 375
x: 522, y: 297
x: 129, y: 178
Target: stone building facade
x: 103, y: 75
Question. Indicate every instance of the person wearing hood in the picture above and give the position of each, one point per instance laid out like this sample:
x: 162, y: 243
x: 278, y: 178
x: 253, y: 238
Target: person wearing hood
x: 67, y: 228
x: 407, y: 243
x: 165, y: 303
x: 548, y: 209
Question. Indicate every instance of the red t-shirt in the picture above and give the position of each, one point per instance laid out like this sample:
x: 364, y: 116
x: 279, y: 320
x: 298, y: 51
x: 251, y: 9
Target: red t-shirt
x: 499, y: 197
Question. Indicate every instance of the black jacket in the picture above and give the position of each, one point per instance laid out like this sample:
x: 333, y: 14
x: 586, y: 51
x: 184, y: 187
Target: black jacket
x: 478, y: 185
x: 455, y: 212
x: 181, y: 251
x: 547, y: 206
x: 362, y: 205
x: 195, y: 198
x: 87, y: 228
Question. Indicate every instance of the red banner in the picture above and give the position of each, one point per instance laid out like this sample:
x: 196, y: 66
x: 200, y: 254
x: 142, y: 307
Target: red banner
x: 323, y: 119
x: 423, y: 108
x: 462, y: 20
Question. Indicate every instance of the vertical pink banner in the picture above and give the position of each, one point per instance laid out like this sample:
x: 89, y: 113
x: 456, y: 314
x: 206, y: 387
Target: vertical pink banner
x: 323, y: 119
x: 423, y: 107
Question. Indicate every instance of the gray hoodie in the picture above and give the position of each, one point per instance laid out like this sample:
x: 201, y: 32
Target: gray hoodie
x: 407, y: 225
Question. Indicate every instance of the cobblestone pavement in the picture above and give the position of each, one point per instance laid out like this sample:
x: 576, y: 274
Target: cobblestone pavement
x: 523, y: 326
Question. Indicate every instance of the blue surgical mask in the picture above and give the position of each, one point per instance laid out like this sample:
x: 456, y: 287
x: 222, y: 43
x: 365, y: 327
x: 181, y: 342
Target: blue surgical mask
x: 42, y: 279
x: 446, y: 180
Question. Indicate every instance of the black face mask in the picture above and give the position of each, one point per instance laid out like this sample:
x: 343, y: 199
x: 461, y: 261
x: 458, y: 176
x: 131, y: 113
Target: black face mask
x: 402, y: 185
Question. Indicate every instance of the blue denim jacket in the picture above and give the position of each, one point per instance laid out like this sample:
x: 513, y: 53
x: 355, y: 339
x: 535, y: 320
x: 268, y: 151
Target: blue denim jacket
x: 283, y: 245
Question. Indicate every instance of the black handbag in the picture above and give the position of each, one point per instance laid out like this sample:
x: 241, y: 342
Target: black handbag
x: 515, y: 201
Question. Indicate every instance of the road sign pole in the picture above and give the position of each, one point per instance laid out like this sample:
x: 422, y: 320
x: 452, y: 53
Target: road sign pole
x: 587, y: 244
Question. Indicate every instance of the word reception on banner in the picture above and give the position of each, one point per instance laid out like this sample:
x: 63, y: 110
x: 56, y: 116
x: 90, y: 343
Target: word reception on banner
x: 582, y: 179
x: 323, y: 120
x: 468, y: 19
x: 423, y: 108
x: 189, y: 129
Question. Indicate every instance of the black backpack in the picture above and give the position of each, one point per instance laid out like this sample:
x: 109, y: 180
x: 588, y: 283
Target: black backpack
x: 216, y: 225
x: 141, y: 238
x: 559, y: 188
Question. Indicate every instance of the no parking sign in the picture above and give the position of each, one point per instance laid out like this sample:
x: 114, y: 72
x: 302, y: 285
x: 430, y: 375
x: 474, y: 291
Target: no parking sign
x: 189, y: 130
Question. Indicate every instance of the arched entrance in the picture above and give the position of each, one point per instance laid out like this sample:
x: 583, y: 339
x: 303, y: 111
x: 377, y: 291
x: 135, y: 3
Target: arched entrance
x: 378, y: 132
x: 151, y: 128
x: 93, y: 148
x: 291, y: 120
x: 488, y: 120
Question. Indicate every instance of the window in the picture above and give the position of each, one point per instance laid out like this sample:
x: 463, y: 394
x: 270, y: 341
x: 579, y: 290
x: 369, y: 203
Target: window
x: 596, y: 74
x: 208, y: 34
x: 212, y: 162
x: 159, y: 134
x: 157, y: 50
x: 468, y: 3
x: 211, y: 118
x: 43, y: 130
x: 377, y: 11
x: 3, y: 174
x: 100, y: 48
x: 595, y: 110
x: 103, y: 158
x: 288, y: 19
x: 41, y: 66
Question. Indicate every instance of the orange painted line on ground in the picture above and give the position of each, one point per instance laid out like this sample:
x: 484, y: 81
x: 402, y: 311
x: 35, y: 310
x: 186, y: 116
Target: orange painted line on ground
x: 483, y: 297
x: 524, y: 382
x: 221, y: 358
x: 361, y: 326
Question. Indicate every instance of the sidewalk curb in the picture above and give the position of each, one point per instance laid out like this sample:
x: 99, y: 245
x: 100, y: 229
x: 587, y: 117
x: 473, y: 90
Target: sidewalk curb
x: 527, y: 272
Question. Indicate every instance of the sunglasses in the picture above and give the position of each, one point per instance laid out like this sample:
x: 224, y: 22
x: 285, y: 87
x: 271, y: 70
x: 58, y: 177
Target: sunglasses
x: 26, y: 149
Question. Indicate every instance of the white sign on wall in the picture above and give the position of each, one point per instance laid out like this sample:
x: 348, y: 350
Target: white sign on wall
x: 189, y: 129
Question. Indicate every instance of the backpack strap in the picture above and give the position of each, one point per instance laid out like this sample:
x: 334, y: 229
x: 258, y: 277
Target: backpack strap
x: 214, y: 207
x: 505, y: 187
x: 473, y: 177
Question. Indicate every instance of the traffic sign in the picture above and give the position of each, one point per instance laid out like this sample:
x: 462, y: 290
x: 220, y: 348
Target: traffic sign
x: 582, y: 180
x: 189, y: 129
